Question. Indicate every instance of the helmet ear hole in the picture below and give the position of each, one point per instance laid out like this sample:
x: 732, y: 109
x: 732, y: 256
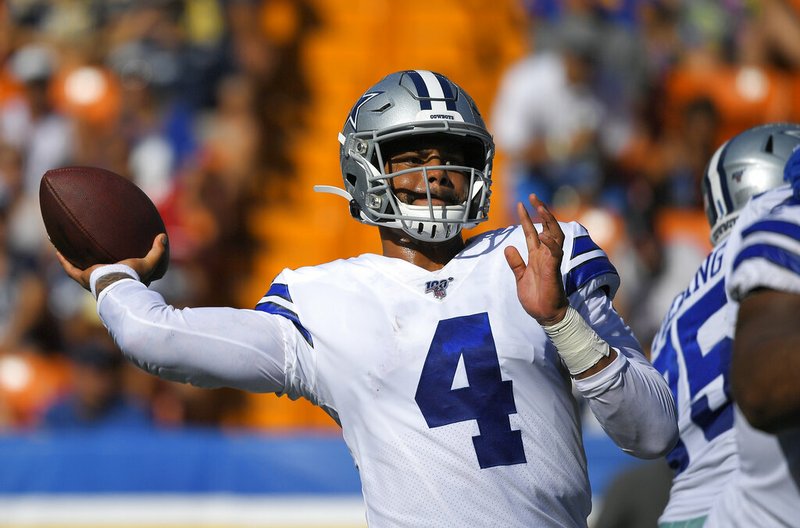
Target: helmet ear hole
x: 355, y: 210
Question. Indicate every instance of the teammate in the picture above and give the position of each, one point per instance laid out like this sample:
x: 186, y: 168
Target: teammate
x: 764, y: 277
x: 693, y: 347
x: 447, y: 363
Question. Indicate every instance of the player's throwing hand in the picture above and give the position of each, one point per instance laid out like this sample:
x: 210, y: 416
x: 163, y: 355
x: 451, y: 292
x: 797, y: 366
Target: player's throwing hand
x: 144, y: 267
x: 539, y: 285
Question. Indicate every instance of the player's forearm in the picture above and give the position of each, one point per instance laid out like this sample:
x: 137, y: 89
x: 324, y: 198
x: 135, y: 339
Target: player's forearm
x: 207, y: 347
x: 629, y: 397
x: 634, y: 406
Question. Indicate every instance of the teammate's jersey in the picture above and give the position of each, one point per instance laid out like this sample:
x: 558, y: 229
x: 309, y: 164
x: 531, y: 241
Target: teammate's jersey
x: 445, y: 374
x: 764, y: 249
x: 692, y: 350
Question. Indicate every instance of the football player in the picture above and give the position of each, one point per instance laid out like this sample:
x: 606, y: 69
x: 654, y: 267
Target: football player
x: 694, y: 345
x: 448, y: 363
x: 764, y: 277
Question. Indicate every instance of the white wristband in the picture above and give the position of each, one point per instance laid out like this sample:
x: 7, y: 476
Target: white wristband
x: 577, y: 343
x: 102, y: 271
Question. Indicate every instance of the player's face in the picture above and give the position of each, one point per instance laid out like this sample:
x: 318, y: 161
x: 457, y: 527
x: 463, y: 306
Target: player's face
x: 447, y: 187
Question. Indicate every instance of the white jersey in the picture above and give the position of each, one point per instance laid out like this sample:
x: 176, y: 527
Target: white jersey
x: 765, y: 250
x: 454, y: 404
x: 692, y: 350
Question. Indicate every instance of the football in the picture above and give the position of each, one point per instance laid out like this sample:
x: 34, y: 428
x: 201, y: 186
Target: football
x: 96, y: 216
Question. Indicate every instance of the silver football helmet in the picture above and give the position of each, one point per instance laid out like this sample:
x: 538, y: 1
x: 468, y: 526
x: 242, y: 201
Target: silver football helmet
x: 748, y: 164
x: 403, y: 105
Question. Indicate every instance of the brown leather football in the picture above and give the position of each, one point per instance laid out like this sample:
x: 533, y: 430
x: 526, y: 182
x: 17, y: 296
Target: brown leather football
x: 95, y: 216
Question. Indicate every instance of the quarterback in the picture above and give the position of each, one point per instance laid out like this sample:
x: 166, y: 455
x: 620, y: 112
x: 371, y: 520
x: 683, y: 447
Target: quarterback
x: 449, y: 364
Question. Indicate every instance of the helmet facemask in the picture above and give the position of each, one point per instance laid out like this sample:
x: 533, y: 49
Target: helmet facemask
x: 378, y: 202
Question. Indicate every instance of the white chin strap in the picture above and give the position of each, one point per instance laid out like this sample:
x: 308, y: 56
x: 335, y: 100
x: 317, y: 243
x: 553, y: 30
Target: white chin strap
x: 445, y: 223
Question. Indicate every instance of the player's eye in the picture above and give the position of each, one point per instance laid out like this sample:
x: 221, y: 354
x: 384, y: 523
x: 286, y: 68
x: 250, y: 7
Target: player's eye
x: 454, y: 159
x: 409, y: 161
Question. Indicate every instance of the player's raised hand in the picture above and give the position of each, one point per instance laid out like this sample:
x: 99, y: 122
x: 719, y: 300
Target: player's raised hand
x: 144, y: 266
x: 539, y: 285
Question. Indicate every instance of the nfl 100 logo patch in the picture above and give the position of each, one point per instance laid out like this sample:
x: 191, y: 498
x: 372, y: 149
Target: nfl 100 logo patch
x: 438, y: 287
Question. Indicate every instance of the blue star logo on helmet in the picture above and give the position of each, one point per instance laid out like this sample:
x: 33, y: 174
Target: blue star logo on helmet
x: 353, y: 117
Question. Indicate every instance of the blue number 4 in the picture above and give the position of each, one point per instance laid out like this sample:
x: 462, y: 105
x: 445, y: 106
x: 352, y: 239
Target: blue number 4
x: 488, y: 399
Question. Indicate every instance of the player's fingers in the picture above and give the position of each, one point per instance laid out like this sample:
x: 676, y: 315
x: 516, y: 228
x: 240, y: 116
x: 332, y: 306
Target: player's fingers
x: 528, y: 228
x: 157, y: 249
x: 540, y: 207
x: 549, y: 221
x: 515, y: 262
x: 552, y: 243
x: 73, y: 272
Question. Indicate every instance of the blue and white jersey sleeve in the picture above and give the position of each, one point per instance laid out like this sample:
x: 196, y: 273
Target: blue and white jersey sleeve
x: 301, y: 374
x: 586, y: 266
x: 643, y: 426
x: 206, y: 347
x: 767, y: 245
x: 278, y: 301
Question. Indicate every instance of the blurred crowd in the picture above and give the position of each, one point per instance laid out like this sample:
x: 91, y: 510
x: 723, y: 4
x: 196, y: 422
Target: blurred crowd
x: 616, y: 110
x: 175, y: 95
x: 611, y: 117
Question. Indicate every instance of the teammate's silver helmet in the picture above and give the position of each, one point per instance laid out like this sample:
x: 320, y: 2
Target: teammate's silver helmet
x: 748, y: 164
x: 402, y: 105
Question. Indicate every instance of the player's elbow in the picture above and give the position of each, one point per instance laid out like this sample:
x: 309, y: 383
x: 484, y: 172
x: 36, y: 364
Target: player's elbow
x: 660, y: 431
x: 659, y: 435
x: 654, y: 438
x: 653, y: 446
x: 659, y: 441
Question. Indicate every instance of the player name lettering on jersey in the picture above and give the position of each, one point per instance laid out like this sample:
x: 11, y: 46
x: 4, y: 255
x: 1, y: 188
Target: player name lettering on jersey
x: 710, y: 268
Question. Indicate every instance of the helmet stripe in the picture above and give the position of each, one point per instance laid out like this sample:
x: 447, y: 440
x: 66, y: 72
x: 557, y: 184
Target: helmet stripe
x: 434, y: 89
x: 711, y: 209
x: 422, y: 90
x: 435, y: 92
x: 447, y: 91
x: 723, y: 180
